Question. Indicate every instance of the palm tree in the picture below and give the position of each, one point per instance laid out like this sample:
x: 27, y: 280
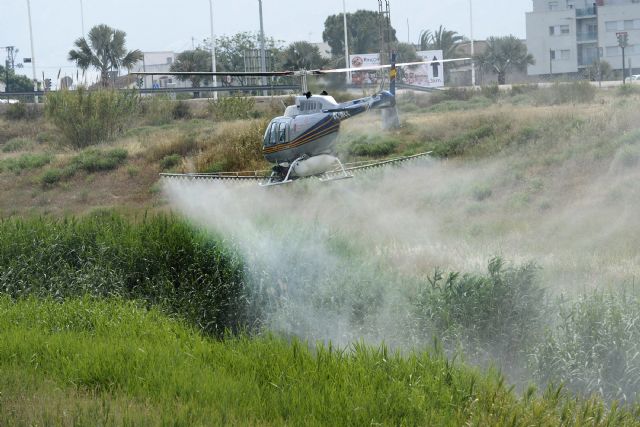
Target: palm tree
x: 105, y: 51
x: 504, y: 54
x: 441, y: 39
x: 192, y: 60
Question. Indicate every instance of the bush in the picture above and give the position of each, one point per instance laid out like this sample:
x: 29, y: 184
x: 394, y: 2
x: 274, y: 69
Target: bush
x: 25, y: 162
x: 90, y: 161
x: 181, y: 110
x: 497, y: 314
x: 86, y: 117
x: 169, y: 162
x: 16, y: 111
x: 566, y: 93
x: 161, y: 261
x: 96, y: 160
x: 373, y: 149
x: 158, y: 110
x: 594, y: 347
x: 17, y: 144
x: 627, y: 89
x: 231, y: 108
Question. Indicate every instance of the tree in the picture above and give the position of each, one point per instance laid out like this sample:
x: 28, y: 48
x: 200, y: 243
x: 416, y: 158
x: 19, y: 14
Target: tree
x: 17, y: 82
x: 231, y: 52
x: 406, y: 52
x: 363, y: 28
x: 599, y: 70
x: 105, y: 51
x: 192, y: 60
x: 302, y: 56
x: 504, y: 54
x: 441, y: 39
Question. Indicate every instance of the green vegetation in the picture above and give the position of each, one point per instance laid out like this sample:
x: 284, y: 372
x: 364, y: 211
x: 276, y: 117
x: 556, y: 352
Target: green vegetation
x: 25, y: 162
x: 17, y: 144
x: 161, y: 261
x: 231, y: 108
x: 89, y: 161
x: 86, y: 118
x: 140, y: 367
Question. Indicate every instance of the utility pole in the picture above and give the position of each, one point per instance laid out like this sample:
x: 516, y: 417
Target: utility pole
x: 473, y: 65
x: 82, y: 17
x: 263, y: 59
x: 346, y: 41
x: 33, y: 54
x: 214, y: 79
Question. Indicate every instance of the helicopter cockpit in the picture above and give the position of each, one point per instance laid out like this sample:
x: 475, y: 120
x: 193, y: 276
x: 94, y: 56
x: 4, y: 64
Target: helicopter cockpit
x: 277, y: 132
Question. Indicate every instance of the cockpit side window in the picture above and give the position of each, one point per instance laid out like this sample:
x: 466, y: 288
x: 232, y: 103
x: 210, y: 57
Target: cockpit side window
x: 267, y: 135
x: 274, y: 133
x: 282, y: 138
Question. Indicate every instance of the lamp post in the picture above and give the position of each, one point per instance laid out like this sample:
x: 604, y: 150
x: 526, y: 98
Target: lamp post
x: 473, y: 65
x: 346, y: 41
x: 82, y: 17
x: 33, y: 55
x: 214, y: 79
x: 263, y: 58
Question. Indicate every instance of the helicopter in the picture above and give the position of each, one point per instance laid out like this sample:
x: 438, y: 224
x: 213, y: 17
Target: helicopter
x: 301, y: 143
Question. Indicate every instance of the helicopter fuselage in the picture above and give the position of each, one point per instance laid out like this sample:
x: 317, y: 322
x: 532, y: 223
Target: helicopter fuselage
x: 310, y: 127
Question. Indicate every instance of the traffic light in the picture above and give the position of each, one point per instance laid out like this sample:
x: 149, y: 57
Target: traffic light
x: 47, y: 84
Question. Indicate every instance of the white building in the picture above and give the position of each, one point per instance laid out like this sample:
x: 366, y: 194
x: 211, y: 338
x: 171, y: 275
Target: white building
x: 566, y: 36
x: 158, y: 62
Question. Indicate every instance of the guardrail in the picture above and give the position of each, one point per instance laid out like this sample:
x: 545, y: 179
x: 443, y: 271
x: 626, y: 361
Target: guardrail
x: 23, y: 96
x: 586, y: 37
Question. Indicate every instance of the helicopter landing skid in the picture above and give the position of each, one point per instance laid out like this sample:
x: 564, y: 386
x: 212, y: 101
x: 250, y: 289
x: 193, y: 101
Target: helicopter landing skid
x: 338, y: 173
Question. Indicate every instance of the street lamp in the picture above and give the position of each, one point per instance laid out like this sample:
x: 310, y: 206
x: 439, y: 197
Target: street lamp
x: 33, y: 55
x: 263, y: 59
x: 473, y: 65
x: 346, y: 41
x: 214, y: 79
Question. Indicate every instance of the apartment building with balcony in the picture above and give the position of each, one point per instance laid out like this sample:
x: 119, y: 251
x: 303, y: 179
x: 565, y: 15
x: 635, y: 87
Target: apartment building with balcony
x: 566, y: 36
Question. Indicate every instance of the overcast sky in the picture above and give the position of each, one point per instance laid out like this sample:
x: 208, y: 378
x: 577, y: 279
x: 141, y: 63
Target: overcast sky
x: 161, y: 25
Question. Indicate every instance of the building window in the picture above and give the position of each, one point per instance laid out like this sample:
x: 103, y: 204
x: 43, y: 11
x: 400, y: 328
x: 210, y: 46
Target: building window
x: 553, y: 5
x: 628, y: 24
x: 571, y: 4
x: 552, y: 55
x: 552, y: 30
x: 564, y: 29
x: 565, y: 54
x: 613, y: 51
x: 611, y: 25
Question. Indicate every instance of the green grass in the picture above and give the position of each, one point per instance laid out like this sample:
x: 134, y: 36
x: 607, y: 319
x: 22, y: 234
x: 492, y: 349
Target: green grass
x: 90, y: 161
x: 17, y: 144
x: 161, y: 260
x: 25, y: 162
x: 114, y: 362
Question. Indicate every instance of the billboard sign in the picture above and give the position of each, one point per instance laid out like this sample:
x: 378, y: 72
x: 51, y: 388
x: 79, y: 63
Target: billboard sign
x: 426, y: 75
x: 364, y: 61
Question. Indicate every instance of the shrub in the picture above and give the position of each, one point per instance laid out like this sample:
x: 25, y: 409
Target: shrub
x: 594, y: 347
x: 627, y: 89
x: 90, y: 161
x: 17, y: 144
x: 25, y: 162
x: 498, y: 313
x: 373, y: 149
x: 16, y: 111
x: 169, y: 162
x: 181, y: 110
x: 182, y: 144
x: 231, y: 108
x: 93, y: 160
x: 491, y: 91
x: 88, y: 117
x: 237, y: 147
x: 157, y: 110
x: 523, y: 89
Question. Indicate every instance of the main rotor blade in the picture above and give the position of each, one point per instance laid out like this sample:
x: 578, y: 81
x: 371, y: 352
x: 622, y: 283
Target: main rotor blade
x: 217, y: 73
x: 381, y: 67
